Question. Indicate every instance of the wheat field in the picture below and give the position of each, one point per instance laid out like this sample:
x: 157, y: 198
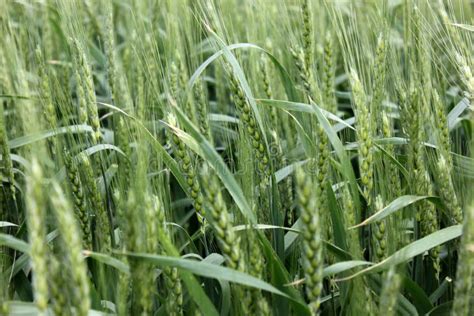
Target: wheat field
x: 236, y: 157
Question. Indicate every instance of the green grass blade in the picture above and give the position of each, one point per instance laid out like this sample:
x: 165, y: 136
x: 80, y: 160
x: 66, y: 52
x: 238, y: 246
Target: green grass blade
x: 343, y: 266
x: 14, y: 243
x: 396, y: 205
x: 413, y: 249
x: 32, y: 138
x: 7, y: 224
x: 209, y: 270
x: 108, y: 260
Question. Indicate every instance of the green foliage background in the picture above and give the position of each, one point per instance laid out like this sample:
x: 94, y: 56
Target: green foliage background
x: 286, y: 157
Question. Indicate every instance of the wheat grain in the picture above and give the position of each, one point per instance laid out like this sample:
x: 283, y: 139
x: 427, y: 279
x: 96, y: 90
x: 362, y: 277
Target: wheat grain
x: 37, y: 236
x: 312, y: 249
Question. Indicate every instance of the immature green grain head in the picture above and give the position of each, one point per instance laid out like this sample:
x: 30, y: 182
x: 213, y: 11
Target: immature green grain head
x: 80, y: 202
x: 107, y: 73
x: 255, y: 266
x: 186, y: 163
x: 81, y: 99
x: 249, y: 121
x: 123, y: 139
x: 463, y: 286
x: 103, y: 226
x: 312, y: 242
x: 380, y: 69
x: 393, y: 173
x: 447, y: 191
x: 304, y: 75
x: 221, y: 221
x: 87, y: 83
x: 364, y: 131
x: 174, y: 301
x: 264, y: 68
x: 466, y: 75
x: 59, y: 287
x: 36, y: 220
x: 379, y: 232
x: 111, y: 55
x: 389, y: 295
x: 329, y: 98
x: 442, y: 128
x: 72, y: 238
x: 351, y: 219
x: 307, y: 34
x: 202, y: 109
x: 49, y: 110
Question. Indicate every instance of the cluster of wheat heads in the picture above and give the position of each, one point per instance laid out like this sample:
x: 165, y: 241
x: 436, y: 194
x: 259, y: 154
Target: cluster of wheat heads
x: 285, y: 157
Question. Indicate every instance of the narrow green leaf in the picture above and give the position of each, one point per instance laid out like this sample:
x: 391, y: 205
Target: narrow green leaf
x: 306, y: 108
x: 466, y: 27
x: 11, y: 96
x: 264, y: 226
x: 186, y: 138
x: 100, y: 147
x: 226, y: 302
x: 394, y: 160
x: 108, y: 260
x: 292, y: 235
x: 286, y: 79
x: 29, y: 139
x: 456, y: 112
x: 397, y: 204
x: 19, y: 159
x: 344, y: 266
x: 414, y: 249
x: 197, y: 293
x: 287, y: 170
x: 442, y: 309
x: 14, y: 243
x: 287, y: 105
x: 210, y: 271
x: 340, y: 253
x: 107, y: 177
x: 417, y: 295
x: 439, y: 292
x: 22, y: 261
x: 223, y: 118
x: 281, y: 277
x: 7, y: 224
x: 16, y: 308
x: 337, y: 219
x: 294, y: 232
